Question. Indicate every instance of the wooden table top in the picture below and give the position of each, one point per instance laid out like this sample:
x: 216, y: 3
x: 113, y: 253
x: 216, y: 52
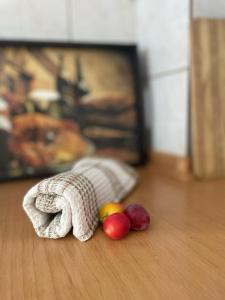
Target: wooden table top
x: 181, y: 256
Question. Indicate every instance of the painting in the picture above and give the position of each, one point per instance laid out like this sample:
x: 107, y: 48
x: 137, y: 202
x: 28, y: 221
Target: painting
x: 60, y: 102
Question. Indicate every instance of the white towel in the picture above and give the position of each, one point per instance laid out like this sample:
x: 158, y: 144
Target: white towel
x: 72, y: 199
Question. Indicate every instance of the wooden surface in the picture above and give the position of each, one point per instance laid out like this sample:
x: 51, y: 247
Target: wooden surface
x: 181, y: 256
x: 176, y: 166
x: 208, y: 97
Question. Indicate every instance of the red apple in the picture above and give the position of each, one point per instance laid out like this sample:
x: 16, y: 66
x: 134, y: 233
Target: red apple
x: 116, y: 226
x: 139, y: 217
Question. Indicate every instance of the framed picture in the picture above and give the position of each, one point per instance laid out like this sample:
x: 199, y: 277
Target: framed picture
x: 60, y: 102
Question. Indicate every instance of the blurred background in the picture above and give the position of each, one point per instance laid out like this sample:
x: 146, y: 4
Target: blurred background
x: 160, y: 28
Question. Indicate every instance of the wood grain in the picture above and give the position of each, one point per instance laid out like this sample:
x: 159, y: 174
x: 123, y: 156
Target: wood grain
x: 175, y: 166
x: 181, y: 256
x: 207, y: 97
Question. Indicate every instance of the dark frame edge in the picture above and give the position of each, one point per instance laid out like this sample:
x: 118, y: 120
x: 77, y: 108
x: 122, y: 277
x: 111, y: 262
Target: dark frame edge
x: 139, y: 103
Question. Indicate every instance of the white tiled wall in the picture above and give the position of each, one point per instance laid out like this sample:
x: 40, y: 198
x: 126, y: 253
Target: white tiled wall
x: 162, y: 30
x: 32, y: 19
x: 170, y: 113
x: 209, y: 8
x: 163, y: 39
x: 104, y: 20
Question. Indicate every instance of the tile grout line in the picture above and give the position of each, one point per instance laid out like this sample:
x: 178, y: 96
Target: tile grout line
x: 69, y: 19
x: 191, y: 9
x: 169, y: 72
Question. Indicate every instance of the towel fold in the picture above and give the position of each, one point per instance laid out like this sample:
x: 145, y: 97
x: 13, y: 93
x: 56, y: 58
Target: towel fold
x: 72, y: 199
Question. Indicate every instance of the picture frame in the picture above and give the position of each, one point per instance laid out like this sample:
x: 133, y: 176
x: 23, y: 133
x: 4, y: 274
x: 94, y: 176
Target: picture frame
x: 61, y: 101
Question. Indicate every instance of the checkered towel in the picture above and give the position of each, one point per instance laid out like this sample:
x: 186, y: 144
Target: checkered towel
x: 71, y: 199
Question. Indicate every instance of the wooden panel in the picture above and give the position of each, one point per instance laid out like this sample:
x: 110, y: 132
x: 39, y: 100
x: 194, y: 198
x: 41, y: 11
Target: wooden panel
x: 208, y: 97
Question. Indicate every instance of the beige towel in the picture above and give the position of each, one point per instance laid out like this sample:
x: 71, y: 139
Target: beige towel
x: 72, y: 199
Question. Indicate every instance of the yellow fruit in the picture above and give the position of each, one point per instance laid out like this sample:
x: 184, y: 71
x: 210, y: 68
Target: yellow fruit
x: 109, y: 209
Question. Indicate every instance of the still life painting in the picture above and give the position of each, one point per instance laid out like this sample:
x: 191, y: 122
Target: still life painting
x: 58, y: 104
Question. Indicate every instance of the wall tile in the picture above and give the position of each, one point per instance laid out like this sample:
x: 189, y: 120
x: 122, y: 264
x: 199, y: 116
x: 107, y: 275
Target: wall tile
x: 209, y: 8
x: 32, y: 19
x: 104, y: 20
x: 163, y: 32
x: 168, y: 109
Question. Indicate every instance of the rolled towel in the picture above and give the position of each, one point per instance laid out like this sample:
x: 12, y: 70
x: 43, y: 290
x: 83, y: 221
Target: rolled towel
x: 72, y: 199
